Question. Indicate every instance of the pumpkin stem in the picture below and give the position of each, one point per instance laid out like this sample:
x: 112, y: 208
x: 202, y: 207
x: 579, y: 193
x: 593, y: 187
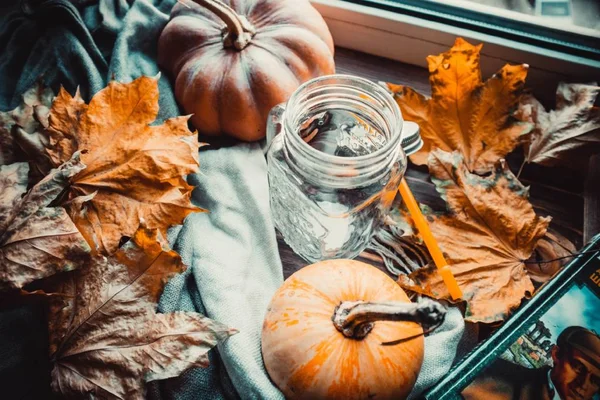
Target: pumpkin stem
x: 239, y: 31
x: 355, y: 319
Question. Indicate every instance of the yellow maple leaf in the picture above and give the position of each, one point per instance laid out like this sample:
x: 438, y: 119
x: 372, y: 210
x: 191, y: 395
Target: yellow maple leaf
x: 464, y: 113
x: 135, y: 171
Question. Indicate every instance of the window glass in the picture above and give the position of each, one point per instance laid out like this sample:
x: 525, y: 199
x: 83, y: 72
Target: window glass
x: 568, y: 26
x: 571, y: 15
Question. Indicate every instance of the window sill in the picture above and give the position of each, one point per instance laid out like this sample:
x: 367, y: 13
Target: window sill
x: 410, y: 40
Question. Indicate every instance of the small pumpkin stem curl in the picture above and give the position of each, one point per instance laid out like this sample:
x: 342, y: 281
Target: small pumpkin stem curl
x: 355, y: 319
x: 239, y: 31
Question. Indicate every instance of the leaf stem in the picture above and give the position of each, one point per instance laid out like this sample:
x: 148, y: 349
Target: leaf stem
x: 560, y: 258
x: 521, y: 168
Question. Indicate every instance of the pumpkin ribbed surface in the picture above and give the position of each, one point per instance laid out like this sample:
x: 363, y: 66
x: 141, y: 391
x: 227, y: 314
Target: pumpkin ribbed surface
x: 308, y: 358
x: 231, y: 91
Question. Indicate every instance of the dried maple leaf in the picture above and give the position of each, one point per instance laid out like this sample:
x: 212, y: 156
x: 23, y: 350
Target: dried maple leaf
x: 561, y: 135
x: 490, y: 231
x: 550, y: 255
x: 134, y: 171
x: 13, y: 181
x: 36, y: 240
x: 464, y: 113
x: 22, y: 131
x: 106, y: 339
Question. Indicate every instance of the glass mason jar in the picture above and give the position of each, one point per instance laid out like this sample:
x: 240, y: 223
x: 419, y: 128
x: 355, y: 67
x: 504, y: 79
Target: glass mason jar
x: 335, y: 161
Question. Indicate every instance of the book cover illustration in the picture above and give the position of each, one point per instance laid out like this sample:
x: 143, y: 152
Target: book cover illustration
x: 558, y: 357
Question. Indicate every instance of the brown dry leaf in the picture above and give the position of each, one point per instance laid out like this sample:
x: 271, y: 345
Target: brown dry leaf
x: 549, y: 256
x: 13, y: 181
x: 106, y: 338
x: 135, y: 172
x: 36, y: 240
x: 564, y: 135
x: 464, y: 113
x: 491, y: 229
x: 22, y: 131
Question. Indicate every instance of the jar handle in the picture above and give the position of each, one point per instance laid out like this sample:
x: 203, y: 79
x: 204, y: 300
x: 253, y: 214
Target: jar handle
x: 274, y: 124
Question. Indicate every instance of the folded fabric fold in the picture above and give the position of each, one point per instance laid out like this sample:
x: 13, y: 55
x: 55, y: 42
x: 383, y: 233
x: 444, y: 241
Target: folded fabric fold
x: 233, y: 257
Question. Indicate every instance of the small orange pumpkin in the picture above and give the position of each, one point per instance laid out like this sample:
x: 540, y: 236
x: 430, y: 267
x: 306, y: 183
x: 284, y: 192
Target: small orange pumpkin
x: 323, y: 333
x: 233, y: 62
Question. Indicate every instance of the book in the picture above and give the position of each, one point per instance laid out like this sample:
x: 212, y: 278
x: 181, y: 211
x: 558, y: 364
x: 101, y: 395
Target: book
x: 548, y: 350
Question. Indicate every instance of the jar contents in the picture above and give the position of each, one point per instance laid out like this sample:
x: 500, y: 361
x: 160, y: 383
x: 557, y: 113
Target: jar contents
x: 341, y: 133
x: 334, y: 164
x: 318, y: 221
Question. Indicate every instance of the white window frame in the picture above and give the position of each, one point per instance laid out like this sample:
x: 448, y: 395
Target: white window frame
x: 410, y: 40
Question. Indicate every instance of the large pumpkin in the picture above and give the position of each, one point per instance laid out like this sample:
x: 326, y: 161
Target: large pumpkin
x: 323, y: 333
x: 233, y: 62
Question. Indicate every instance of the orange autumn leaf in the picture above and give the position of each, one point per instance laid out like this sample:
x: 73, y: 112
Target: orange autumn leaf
x: 106, y: 338
x: 135, y: 171
x: 491, y: 229
x: 464, y: 113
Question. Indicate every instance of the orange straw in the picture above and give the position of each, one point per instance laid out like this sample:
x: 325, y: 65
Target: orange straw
x: 430, y: 242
